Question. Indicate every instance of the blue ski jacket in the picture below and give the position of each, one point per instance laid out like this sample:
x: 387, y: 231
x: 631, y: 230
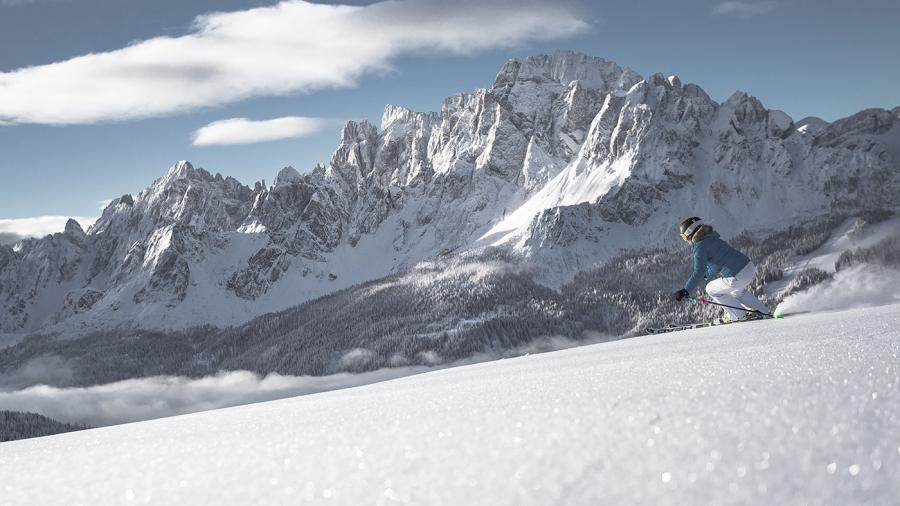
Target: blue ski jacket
x: 713, y: 257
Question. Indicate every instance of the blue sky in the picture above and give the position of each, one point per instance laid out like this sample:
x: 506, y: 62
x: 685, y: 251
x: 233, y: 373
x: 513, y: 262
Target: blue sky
x: 87, y: 131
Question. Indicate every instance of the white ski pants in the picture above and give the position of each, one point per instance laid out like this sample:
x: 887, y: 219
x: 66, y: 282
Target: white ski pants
x: 733, y: 292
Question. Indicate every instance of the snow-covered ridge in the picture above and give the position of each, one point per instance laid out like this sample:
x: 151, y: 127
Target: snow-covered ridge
x: 563, y: 161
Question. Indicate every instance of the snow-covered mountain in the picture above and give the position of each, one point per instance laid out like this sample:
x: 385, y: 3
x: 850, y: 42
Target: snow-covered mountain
x: 564, y: 161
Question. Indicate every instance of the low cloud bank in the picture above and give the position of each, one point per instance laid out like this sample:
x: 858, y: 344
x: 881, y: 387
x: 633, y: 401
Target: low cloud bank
x: 156, y: 397
x: 146, y: 398
x: 14, y: 230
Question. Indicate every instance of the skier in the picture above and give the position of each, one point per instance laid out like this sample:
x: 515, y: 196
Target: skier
x: 730, y: 271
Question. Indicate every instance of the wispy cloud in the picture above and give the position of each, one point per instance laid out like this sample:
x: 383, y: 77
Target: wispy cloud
x: 294, y: 46
x: 13, y: 230
x: 743, y: 9
x: 245, y: 131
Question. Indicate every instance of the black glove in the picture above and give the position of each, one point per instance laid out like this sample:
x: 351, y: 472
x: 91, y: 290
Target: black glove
x: 680, y: 294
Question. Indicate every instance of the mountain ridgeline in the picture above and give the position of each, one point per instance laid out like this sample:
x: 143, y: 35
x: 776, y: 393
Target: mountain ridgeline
x: 452, y: 307
x: 442, y: 234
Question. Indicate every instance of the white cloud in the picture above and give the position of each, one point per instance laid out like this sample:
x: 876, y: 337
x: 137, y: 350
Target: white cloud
x: 294, y: 46
x: 12, y: 230
x: 155, y: 397
x: 743, y: 9
x: 145, y: 398
x: 245, y: 131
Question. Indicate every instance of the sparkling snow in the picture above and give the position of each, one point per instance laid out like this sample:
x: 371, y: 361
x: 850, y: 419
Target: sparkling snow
x: 804, y: 410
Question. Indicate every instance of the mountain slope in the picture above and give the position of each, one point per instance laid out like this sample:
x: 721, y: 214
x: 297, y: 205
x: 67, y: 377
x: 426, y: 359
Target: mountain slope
x: 457, y: 306
x: 563, y: 162
x: 633, y: 421
x: 15, y: 425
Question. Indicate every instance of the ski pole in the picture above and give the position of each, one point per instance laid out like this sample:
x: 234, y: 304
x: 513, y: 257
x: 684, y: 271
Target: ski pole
x: 704, y: 301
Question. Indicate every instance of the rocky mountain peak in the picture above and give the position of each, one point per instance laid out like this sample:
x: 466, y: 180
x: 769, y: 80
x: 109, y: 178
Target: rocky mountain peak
x: 74, y: 231
x: 564, y: 67
x: 181, y: 169
x: 357, y: 131
x: 184, y: 171
x: 286, y: 176
x: 355, y: 154
x: 810, y: 125
x: 747, y: 112
x: 395, y: 116
x: 866, y: 122
x: 659, y: 79
x: 746, y: 105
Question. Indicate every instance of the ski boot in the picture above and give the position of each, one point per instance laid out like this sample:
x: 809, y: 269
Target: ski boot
x: 749, y: 317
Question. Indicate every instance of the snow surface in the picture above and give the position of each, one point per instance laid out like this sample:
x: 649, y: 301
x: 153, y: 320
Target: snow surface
x: 804, y: 410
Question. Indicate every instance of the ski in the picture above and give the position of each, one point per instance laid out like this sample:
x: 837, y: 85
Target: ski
x: 675, y: 327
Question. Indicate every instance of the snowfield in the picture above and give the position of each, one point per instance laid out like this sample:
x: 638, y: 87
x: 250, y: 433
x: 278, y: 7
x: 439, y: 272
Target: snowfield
x: 804, y: 410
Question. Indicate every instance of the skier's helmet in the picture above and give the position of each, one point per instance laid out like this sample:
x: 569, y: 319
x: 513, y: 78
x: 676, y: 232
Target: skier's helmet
x: 689, y: 226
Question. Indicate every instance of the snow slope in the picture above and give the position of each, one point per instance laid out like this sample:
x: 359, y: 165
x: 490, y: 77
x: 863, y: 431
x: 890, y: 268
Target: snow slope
x: 803, y: 410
